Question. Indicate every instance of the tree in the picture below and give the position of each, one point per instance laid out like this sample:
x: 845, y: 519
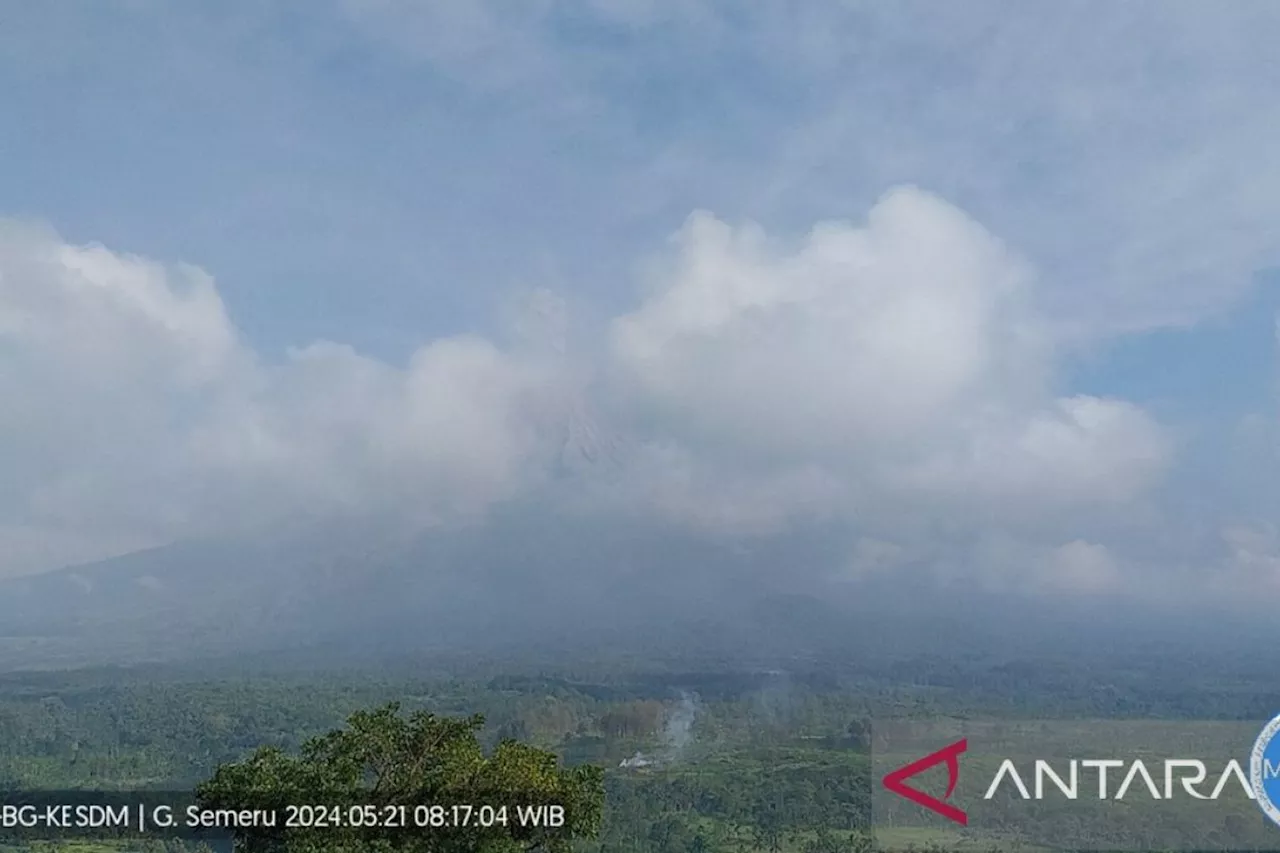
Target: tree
x: 858, y: 734
x: 426, y: 775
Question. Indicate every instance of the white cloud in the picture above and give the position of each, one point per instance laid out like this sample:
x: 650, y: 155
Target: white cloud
x: 874, y: 557
x: 1126, y: 148
x: 887, y: 375
x: 693, y: 491
x: 1076, y: 449
x: 134, y: 414
x: 1081, y: 567
x: 898, y: 373
x: 1251, y: 569
x: 904, y: 354
x: 990, y: 560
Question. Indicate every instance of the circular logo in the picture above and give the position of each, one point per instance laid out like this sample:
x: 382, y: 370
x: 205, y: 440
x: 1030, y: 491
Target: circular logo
x: 1264, y: 770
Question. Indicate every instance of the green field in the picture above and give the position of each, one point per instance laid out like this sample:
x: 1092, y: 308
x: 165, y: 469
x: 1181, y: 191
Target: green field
x: 742, y: 760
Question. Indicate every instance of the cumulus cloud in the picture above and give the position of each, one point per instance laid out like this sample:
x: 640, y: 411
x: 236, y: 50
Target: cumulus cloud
x: 1076, y: 448
x: 904, y: 353
x: 135, y: 413
x: 891, y: 370
x: 899, y: 373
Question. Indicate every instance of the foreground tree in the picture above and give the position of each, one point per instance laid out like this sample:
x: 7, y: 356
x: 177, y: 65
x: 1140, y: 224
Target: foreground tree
x: 420, y: 784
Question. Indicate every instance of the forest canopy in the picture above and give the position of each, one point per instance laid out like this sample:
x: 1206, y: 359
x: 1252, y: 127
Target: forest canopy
x: 413, y: 783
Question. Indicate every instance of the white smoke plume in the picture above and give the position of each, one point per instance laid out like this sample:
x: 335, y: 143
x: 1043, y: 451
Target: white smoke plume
x: 677, y: 735
x: 677, y: 731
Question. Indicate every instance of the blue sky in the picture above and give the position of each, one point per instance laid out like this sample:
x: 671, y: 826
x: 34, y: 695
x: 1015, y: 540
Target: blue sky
x: 384, y: 175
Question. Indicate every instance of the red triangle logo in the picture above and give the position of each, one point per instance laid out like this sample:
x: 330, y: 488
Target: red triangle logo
x: 897, y: 781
